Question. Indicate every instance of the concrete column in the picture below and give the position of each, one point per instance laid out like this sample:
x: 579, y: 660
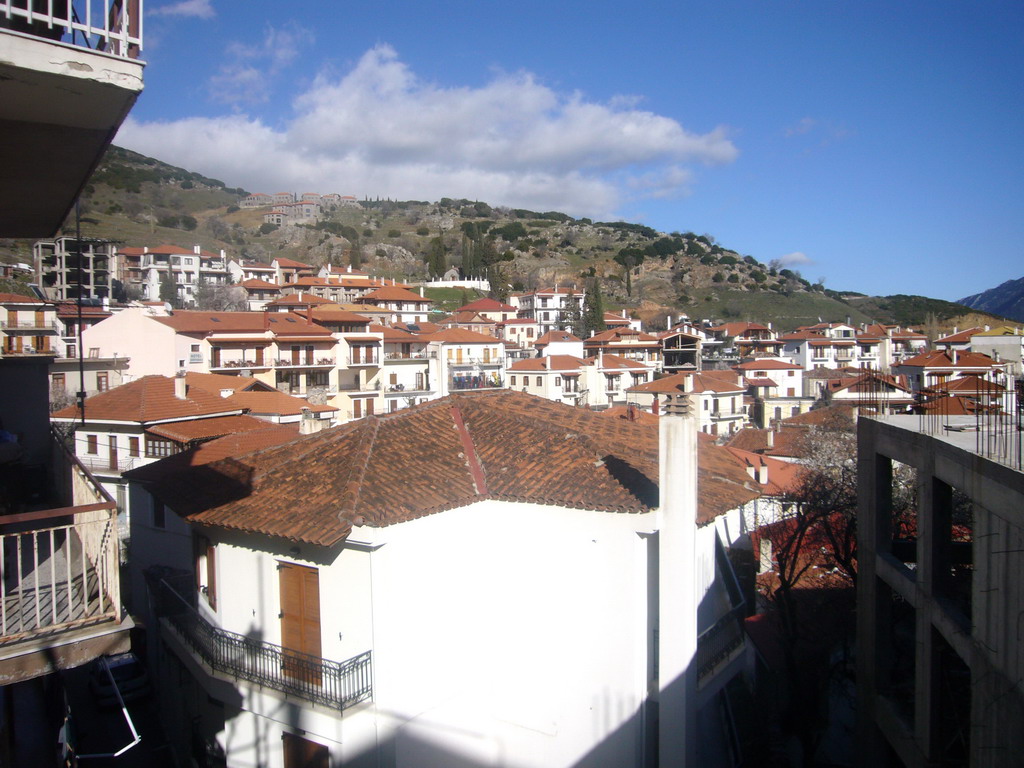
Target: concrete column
x: 677, y: 582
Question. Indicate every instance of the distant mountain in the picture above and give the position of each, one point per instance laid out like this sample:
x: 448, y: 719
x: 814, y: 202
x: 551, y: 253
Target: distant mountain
x: 137, y: 200
x: 1006, y: 300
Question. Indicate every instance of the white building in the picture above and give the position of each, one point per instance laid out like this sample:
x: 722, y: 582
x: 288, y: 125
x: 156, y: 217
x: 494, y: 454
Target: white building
x: 470, y: 582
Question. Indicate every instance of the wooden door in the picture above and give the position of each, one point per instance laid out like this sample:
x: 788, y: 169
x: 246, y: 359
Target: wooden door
x: 113, y: 452
x: 259, y: 356
x: 295, y: 354
x: 300, y: 619
x: 303, y: 753
x: 215, y: 357
x: 40, y: 318
x: 458, y: 355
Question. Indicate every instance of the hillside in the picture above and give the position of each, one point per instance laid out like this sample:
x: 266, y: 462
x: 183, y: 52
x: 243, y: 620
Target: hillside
x: 136, y: 200
x: 1006, y: 299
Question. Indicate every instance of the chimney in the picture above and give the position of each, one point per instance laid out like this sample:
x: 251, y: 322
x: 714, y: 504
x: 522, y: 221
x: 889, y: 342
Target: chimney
x: 677, y: 579
x: 751, y: 472
x: 227, y: 392
x: 308, y: 424
x: 223, y: 255
x: 196, y: 249
x: 421, y: 291
x: 762, y: 473
x: 771, y: 438
x: 955, y: 355
x: 180, y: 388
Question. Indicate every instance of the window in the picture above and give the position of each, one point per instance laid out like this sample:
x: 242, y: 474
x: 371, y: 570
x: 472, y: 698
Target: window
x: 513, y: 381
x: 92, y: 444
x: 158, y: 513
x: 157, y: 448
x: 558, y: 381
x: 57, y: 383
x: 133, y: 446
x: 539, y: 381
x: 102, y: 381
x: 206, y: 569
x: 72, y: 350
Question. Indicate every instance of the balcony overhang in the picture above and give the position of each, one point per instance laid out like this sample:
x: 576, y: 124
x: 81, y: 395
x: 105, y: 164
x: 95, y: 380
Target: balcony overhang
x: 60, y: 107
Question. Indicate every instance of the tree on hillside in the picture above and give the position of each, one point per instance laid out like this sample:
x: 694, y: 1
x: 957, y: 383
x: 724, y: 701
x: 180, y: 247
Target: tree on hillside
x: 203, y: 293
x: 499, y: 283
x: 593, y: 310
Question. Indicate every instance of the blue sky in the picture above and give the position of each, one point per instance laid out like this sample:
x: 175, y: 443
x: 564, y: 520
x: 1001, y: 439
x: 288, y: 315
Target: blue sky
x: 879, y: 145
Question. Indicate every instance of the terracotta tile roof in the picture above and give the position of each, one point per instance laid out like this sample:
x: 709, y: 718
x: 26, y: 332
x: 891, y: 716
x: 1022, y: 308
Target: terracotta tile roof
x: 393, y: 293
x: 551, y: 336
x: 172, y: 473
x: 253, y: 284
x: 302, y: 282
x: 766, y: 365
x: 172, y: 249
x: 458, y: 336
x: 275, y: 403
x: 701, y: 382
x: 630, y: 413
x: 833, y: 416
x: 786, y: 442
x: 187, y: 321
x: 625, y: 336
x: 395, y: 334
x: 617, y: 363
x: 825, y: 373
x: 962, y: 337
x: 69, y: 311
x: 558, y: 363
x: 951, y: 405
x: 783, y: 476
x: 940, y: 359
x: 17, y: 298
x: 149, y: 399
x: 1002, y: 330
x: 419, y: 328
x: 759, y: 381
x: 292, y: 264
x: 738, y: 328
x: 972, y: 384
x: 440, y: 455
x: 469, y: 317
x: 298, y: 300
x: 487, y: 305
x: 333, y: 313
x: 205, y: 429
x: 215, y: 382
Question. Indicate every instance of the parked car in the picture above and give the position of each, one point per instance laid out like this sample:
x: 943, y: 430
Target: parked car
x: 127, y: 671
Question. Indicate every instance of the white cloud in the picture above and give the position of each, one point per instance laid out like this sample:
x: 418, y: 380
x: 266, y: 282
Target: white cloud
x: 802, y: 126
x: 201, y: 9
x: 249, y: 73
x: 381, y: 130
x: 795, y: 258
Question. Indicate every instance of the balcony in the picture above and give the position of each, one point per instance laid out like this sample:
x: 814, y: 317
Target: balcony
x: 392, y: 357
x: 412, y: 389
x: 235, y: 365
x: 60, y: 598
x: 495, y: 361
x: 456, y: 383
x: 61, y: 102
x: 320, y: 362
x: 370, y: 361
x: 107, y: 465
x: 335, y: 684
x: 29, y: 325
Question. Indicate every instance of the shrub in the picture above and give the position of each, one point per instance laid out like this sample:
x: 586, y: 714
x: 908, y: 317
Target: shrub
x: 422, y: 231
x: 394, y: 233
x: 719, y: 277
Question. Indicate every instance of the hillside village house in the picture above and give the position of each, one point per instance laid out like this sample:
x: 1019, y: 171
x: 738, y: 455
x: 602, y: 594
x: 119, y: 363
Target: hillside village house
x: 717, y: 397
x: 681, y: 349
x: 507, y: 616
x: 492, y: 309
x: 547, y: 307
x: 157, y: 416
x: 142, y: 268
x: 1003, y: 344
x: 28, y: 326
x: 932, y: 368
x: 404, y: 305
x: 626, y: 343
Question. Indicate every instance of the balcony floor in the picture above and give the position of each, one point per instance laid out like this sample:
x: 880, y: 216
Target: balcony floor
x: 30, y: 606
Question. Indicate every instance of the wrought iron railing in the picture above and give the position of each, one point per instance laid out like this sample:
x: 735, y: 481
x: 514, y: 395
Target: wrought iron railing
x: 336, y: 684
x: 112, y: 26
x: 717, y: 643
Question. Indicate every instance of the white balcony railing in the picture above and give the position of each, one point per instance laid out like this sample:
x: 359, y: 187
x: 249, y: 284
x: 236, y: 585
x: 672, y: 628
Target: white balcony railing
x: 111, y: 26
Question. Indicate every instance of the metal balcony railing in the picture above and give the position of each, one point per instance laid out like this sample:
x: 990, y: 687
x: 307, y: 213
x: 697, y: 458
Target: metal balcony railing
x: 336, y: 684
x: 466, y: 360
x: 420, y: 355
x: 60, y: 566
x: 29, y: 325
x: 717, y: 643
x: 110, y: 464
x: 110, y: 26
